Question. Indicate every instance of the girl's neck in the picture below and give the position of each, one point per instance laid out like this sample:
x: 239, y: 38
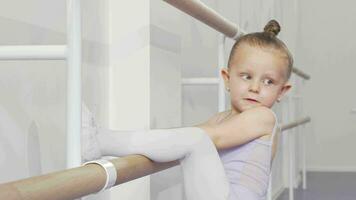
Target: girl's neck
x: 234, y: 111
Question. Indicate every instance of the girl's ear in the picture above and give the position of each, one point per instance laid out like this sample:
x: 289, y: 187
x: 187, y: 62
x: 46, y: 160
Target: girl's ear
x: 226, y: 76
x: 286, y: 87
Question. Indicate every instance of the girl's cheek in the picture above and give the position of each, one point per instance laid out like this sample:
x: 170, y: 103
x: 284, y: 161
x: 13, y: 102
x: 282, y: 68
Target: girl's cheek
x: 239, y: 84
x: 270, y: 96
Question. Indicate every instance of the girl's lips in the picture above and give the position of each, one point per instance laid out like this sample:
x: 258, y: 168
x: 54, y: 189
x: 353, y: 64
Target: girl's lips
x: 252, y: 100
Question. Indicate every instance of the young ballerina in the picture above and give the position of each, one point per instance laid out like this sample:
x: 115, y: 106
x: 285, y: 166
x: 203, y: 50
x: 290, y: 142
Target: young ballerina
x: 256, y: 77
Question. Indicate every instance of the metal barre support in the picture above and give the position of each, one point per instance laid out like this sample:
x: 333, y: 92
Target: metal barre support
x: 200, y: 81
x: 296, y: 123
x: 33, y: 52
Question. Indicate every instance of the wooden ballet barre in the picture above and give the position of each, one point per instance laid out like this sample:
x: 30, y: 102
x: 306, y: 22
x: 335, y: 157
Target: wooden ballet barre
x: 296, y: 123
x: 208, y: 16
x: 300, y: 73
x: 80, y: 181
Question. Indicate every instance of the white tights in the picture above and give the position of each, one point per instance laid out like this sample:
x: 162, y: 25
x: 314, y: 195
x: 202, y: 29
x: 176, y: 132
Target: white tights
x: 204, y: 175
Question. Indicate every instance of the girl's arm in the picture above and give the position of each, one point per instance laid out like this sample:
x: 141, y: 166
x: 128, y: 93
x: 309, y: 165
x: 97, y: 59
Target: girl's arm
x: 242, y: 128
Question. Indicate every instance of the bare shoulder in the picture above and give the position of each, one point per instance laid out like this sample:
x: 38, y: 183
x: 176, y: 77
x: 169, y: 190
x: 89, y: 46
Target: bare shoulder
x: 262, y: 118
x: 261, y: 113
x: 244, y: 127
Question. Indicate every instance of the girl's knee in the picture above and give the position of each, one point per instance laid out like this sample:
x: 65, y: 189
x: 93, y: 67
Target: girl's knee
x: 203, y: 141
x: 197, y: 136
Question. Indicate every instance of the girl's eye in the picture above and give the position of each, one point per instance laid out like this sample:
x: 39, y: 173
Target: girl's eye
x: 245, y: 76
x: 268, y: 81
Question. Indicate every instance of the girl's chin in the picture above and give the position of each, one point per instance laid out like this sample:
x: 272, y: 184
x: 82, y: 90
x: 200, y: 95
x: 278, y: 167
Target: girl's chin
x: 251, y: 106
x: 246, y: 107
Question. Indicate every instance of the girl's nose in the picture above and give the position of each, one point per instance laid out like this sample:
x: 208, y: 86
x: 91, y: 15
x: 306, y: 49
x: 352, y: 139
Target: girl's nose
x: 254, y: 87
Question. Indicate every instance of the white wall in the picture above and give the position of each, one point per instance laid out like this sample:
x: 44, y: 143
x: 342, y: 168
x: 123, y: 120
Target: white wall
x: 33, y: 93
x: 129, y: 75
x: 326, y: 50
x: 199, y: 59
x: 166, y: 40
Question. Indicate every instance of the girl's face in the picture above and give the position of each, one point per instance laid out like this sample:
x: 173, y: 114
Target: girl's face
x: 256, y: 77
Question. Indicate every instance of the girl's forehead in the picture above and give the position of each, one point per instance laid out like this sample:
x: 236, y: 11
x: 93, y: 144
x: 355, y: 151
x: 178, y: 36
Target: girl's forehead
x: 256, y: 53
x: 254, y: 58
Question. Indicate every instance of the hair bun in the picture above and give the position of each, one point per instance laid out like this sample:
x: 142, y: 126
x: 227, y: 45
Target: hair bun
x: 272, y: 28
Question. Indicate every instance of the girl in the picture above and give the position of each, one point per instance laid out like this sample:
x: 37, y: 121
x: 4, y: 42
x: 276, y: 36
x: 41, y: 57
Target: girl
x: 257, y: 76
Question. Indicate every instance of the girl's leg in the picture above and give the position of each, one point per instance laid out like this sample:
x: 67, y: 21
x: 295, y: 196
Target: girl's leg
x: 204, y: 175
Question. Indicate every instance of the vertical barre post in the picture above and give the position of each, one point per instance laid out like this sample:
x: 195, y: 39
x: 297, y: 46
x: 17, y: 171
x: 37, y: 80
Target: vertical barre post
x: 290, y: 151
x: 296, y: 147
x: 304, y: 157
x: 304, y: 145
x: 73, y: 83
x: 221, y: 63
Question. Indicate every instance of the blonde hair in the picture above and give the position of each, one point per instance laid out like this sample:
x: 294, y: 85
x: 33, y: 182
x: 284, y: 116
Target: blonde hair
x: 267, y: 38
